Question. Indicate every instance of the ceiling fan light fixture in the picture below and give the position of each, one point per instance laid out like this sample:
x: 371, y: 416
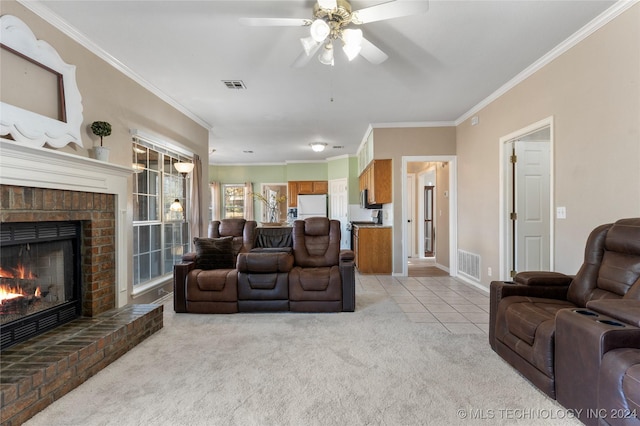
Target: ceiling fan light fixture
x: 326, y: 56
x: 318, y: 146
x: 319, y: 30
x: 308, y: 44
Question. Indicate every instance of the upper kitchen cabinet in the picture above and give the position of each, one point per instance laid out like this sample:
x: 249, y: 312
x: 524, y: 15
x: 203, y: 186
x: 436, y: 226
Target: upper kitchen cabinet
x: 376, y: 179
x: 305, y: 187
x: 365, y: 154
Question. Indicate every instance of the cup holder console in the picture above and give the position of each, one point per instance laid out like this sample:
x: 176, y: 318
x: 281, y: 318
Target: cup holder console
x: 585, y: 312
x: 611, y: 322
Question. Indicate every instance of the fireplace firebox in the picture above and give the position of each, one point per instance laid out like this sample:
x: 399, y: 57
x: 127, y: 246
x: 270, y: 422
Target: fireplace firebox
x: 40, y: 274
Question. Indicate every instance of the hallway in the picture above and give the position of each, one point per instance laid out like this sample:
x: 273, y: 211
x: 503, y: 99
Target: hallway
x: 425, y: 268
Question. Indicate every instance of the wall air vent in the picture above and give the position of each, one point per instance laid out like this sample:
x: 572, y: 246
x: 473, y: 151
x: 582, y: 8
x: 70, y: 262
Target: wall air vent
x: 234, y: 84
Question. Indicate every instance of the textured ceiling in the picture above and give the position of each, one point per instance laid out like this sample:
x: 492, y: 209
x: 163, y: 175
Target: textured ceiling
x: 441, y: 64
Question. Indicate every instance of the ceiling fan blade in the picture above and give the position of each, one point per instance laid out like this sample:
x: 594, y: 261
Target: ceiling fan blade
x: 304, y: 59
x: 394, y: 9
x: 275, y: 22
x: 371, y: 52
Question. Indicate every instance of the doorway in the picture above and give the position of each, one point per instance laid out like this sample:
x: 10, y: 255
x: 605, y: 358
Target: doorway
x: 271, y: 192
x: 440, y: 173
x: 527, y: 200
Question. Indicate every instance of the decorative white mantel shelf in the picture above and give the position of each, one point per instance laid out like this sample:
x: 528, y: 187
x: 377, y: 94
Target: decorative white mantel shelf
x: 22, y: 165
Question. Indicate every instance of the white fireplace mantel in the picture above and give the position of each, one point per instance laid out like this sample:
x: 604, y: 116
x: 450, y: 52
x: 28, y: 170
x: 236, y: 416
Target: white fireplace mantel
x: 48, y: 168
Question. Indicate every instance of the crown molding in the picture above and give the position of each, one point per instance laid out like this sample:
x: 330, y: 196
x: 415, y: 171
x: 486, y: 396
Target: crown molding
x: 407, y: 124
x: 45, y: 13
x: 595, y: 24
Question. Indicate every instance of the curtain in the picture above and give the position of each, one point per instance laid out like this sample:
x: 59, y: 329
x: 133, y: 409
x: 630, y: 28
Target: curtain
x: 196, y: 197
x: 215, y: 200
x: 248, y: 201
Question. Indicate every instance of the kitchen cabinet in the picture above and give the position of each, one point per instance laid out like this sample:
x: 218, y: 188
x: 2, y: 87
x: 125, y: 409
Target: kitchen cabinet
x: 305, y: 187
x: 365, y: 154
x: 372, y: 249
x: 376, y: 178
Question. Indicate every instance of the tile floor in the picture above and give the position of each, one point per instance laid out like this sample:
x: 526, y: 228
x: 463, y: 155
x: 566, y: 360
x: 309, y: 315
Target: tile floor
x: 440, y: 303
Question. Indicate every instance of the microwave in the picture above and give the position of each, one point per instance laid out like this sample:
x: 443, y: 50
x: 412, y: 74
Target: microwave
x: 364, y: 201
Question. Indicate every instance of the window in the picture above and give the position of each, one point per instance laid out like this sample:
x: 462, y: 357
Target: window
x: 160, y: 229
x: 233, y: 201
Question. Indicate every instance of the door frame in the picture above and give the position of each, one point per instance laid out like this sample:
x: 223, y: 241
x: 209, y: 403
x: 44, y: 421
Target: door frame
x: 503, y: 233
x: 453, y: 208
x: 263, y: 215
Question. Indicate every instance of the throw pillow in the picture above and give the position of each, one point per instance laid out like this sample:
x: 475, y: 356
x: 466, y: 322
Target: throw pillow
x: 214, y: 253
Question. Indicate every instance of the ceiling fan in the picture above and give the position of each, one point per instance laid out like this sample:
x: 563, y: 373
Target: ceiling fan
x: 332, y: 21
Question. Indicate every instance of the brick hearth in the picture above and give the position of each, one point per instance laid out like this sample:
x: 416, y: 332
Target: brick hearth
x: 39, y: 371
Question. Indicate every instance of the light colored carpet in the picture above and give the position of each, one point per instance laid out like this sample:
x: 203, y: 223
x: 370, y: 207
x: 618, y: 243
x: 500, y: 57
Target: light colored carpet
x: 370, y: 367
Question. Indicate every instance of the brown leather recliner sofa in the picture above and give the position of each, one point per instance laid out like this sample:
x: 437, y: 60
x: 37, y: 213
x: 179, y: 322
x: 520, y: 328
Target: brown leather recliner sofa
x: 314, y: 275
x: 568, y: 334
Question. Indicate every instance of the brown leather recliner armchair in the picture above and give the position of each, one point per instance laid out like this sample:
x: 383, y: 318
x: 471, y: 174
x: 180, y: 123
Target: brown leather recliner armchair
x: 213, y: 290
x: 323, y: 278
x: 524, y: 314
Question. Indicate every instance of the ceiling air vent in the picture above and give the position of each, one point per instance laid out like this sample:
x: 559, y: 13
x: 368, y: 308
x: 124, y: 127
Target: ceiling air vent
x: 234, y: 84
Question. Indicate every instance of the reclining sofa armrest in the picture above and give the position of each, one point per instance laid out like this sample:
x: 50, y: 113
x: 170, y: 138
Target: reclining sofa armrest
x: 542, y: 278
x: 623, y: 310
x: 180, y: 272
x: 348, y: 275
x: 189, y: 257
x: 346, y: 255
x: 264, y: 262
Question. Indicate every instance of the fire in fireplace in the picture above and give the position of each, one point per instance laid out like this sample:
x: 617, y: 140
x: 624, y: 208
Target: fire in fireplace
x: 39, y: 278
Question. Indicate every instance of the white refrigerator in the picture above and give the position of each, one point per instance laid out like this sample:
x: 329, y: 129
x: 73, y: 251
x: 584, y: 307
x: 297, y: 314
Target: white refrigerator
x: 312, y: 206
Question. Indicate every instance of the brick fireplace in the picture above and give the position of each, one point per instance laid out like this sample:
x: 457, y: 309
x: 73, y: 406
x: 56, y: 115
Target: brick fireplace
x: 46, y: 185
x: 97, y: 216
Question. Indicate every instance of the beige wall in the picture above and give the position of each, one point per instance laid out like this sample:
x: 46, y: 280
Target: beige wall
x: 395, y: 143
x: 593, y: 94
x: 109, y: 95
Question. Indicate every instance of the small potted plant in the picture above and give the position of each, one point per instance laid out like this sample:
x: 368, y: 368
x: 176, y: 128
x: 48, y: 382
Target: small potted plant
x: 102, y: 129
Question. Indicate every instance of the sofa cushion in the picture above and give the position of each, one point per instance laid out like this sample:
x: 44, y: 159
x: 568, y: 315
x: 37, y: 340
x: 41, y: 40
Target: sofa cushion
x: 213, y: 280
x: 526, y: 325
x: 314, y: 279
x: 214, y: 253
x: 523, y: 319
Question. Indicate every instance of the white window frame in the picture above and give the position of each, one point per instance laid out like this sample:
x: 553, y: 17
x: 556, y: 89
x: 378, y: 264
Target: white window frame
x: 165, y: 252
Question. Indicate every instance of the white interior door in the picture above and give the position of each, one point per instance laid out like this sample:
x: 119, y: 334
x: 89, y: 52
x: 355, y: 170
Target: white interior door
x: 411, y: 215
x: 338, y: 208
x: 527, y: 199
x: 532, y: 206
